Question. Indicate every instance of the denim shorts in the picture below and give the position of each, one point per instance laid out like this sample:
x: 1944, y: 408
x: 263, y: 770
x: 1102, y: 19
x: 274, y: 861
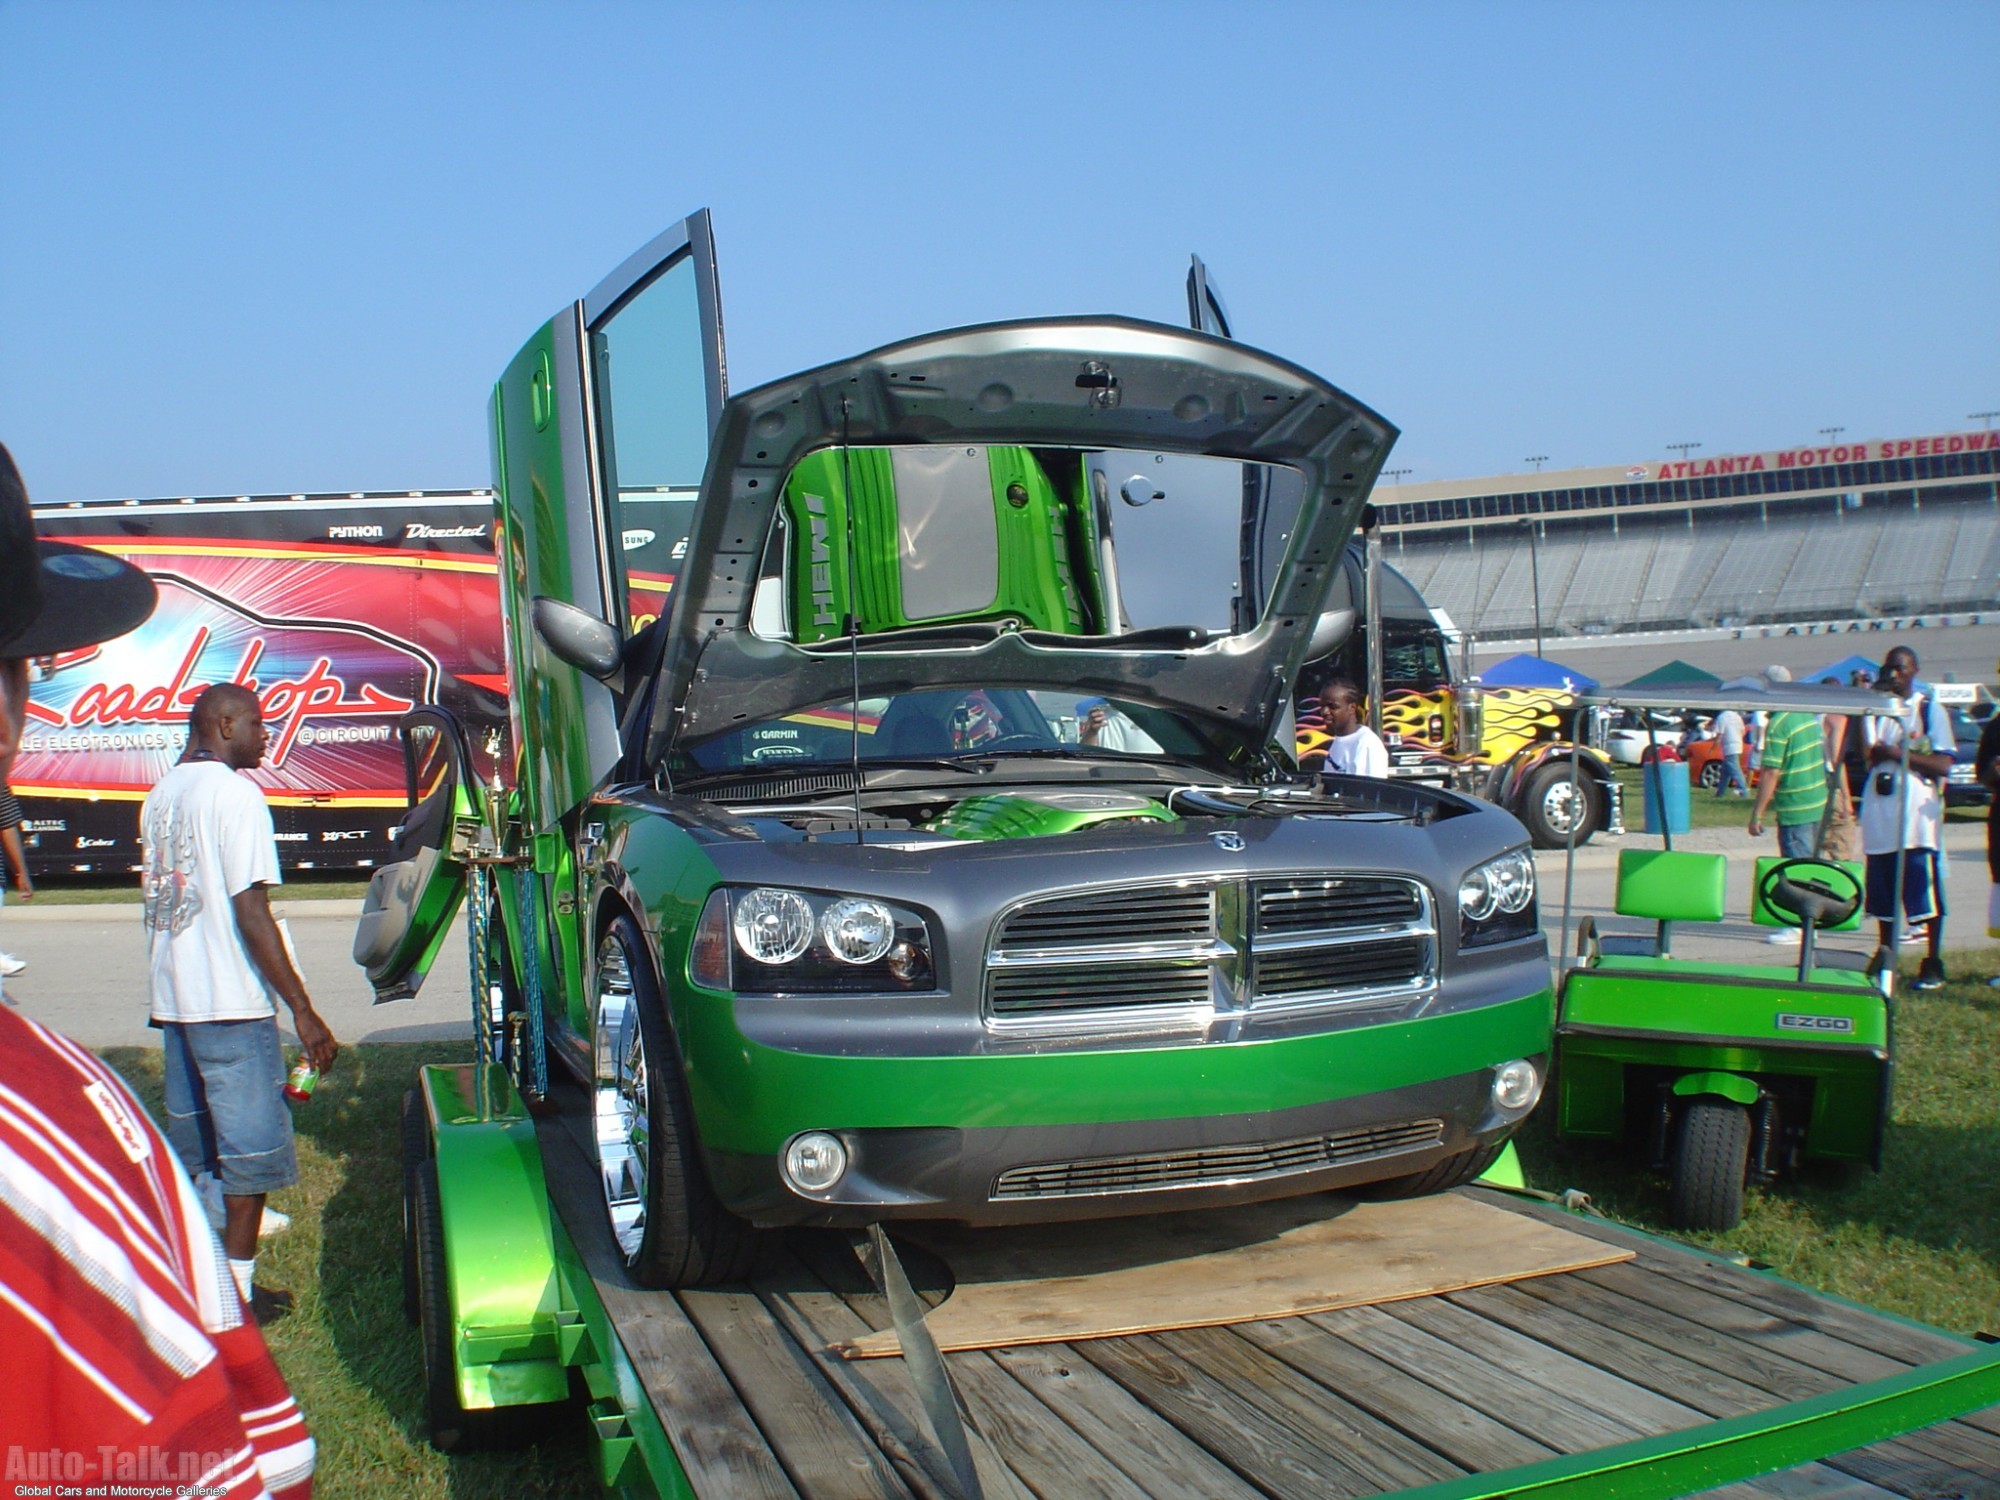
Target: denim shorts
x: 226, y: 1117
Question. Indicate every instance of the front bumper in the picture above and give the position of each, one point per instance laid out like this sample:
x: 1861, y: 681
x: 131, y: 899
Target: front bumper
x: 1038, y: 1137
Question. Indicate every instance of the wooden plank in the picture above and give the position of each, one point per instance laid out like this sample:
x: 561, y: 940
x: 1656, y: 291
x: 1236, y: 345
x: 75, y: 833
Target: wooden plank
x: 822, y: 1448
x: 1568, y: 1315
x: 1158, y: 1456
x: 1459, y: 1431
x: 878, y: 1392
x: 1385, y: 1456
x: 720, y: 1448
x: 1058, y: 1283
x: 1229, y: 1424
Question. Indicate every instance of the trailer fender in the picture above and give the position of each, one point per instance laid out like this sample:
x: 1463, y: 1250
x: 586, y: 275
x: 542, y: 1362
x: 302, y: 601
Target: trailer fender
x: 499, y: 1245
x: 1731, y: 1086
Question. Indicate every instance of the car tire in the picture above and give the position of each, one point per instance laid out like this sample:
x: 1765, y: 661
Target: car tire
x: 1711, y: 776
x: 1453, y: 1171
x: 416, y: 1131
x: 1711, y: 1160
x: 665, y: 1218
x: 1545, y: 807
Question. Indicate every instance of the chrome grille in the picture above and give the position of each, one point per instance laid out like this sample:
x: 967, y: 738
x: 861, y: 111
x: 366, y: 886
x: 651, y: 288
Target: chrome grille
x: 1159, y: 914
x: 1215, y: 1165
x: 1335, y: 904
x: 1181, y: 954
x: 1371, y: 965
x: 1138, y: 988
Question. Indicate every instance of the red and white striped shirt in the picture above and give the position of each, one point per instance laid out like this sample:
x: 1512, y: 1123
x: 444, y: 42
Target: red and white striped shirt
x: 128, y: 1358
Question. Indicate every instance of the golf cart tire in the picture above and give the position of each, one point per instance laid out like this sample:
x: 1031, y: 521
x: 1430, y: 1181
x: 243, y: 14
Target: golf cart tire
x: 1710, y: 1165
x: 1453, y: 1171
x: 1551, y: 782
x: 416, y: 1128
x: 688, y: 1237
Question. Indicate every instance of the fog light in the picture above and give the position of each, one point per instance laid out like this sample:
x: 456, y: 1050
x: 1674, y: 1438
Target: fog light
x: 1516, y: 1085
x: 815, y: 1161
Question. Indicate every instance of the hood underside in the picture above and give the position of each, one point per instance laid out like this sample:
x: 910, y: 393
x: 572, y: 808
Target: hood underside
x: 1065, y: 387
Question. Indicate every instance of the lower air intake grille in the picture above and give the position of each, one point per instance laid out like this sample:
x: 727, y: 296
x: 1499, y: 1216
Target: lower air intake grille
x: 1215, y: 1165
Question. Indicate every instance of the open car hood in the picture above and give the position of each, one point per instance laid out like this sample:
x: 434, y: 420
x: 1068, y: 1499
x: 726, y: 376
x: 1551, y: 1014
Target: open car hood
x: 1063, y: 383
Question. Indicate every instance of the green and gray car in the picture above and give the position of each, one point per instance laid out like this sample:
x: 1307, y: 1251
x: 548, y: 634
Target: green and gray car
x: 938, y: 851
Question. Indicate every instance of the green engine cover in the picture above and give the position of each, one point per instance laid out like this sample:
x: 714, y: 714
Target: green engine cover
x: 1026, y: 815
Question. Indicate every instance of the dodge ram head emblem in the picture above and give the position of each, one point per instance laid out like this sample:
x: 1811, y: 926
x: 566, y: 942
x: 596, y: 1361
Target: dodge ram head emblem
x: 1229, y: 843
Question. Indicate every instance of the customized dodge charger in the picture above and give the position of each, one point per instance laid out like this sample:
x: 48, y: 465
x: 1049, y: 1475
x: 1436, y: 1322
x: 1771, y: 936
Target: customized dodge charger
x: 939, y: 851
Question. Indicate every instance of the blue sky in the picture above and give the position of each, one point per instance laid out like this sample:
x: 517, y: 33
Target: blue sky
x: 275, y: 246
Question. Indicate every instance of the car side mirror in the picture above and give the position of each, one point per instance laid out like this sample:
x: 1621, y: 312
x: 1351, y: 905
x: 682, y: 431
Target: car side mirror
x: 578, y: 637
x: 1333, y: 627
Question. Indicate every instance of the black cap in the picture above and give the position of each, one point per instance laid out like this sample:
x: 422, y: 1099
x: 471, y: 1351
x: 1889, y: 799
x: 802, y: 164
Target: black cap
x: 57, y: 596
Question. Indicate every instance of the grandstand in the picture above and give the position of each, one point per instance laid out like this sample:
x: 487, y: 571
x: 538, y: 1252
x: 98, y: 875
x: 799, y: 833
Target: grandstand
x: 1855, y: 531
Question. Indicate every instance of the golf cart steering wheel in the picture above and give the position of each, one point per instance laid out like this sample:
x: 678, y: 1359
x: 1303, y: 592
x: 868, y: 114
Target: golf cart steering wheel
x: 1813, y: 892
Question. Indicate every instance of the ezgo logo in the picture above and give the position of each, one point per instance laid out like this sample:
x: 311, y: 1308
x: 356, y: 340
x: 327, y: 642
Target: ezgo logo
x: 1788, y: 1021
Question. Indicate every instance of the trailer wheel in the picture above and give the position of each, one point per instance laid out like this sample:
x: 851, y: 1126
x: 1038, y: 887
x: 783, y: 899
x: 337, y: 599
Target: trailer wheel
x: 416, y: 1151
x: 1552, y: 809
x: 453, y: 1428
x: 1453, y: 1171
x: 664, y: 1216
x: 1709, y: 1165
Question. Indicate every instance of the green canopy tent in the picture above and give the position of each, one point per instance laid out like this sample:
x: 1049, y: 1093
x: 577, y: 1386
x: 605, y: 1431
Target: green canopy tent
x: 1676, y: 674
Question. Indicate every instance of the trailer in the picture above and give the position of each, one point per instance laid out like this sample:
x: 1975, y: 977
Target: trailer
x: 342, y: 611
x: 937, y: 862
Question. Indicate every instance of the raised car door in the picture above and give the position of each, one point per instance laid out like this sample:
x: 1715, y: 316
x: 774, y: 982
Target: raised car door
x: 411, y: 901
x: 600, y: 432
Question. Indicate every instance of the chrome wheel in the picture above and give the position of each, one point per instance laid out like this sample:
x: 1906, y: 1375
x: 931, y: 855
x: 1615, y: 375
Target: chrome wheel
x: 623, y: 1121
x: 1562, y: 808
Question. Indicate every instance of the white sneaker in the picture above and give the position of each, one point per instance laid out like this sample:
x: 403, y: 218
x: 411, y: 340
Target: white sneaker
x: 10, y: 965
x: 1784, y: 937
x: 273, y: 1223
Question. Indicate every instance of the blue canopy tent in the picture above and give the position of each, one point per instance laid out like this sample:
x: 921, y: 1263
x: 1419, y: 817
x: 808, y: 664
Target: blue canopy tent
x: 1524, y: 670
x: 1840, y: 671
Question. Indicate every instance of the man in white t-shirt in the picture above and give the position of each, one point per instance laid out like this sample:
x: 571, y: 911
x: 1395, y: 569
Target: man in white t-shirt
x: 216, y: 960
x: 1904, y: 811
x: 1355, y: 749
x: 1730, y: 733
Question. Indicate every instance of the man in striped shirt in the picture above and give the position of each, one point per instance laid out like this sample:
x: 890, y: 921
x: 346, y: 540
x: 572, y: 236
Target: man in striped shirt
x: 129, y: 1357
x: 1791, y: 784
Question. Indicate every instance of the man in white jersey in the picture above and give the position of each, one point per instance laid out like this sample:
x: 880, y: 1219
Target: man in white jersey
x: 1355, y: 749
x: 216, y: 960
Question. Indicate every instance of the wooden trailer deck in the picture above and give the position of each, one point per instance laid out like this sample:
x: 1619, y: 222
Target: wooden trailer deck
x: 1356, y: 1402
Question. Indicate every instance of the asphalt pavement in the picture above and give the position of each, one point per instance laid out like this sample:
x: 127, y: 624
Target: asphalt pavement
x: 86, y: 971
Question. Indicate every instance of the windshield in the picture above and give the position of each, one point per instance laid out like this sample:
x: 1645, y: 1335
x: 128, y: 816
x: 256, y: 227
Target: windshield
x: 1087, y: 543
x: 949, y: 723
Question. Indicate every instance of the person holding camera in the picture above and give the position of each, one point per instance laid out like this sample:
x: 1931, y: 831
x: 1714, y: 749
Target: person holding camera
x: 1902, y: 811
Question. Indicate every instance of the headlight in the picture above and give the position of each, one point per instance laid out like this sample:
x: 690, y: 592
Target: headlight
x: 1496, y: 900
x: 765, y: 940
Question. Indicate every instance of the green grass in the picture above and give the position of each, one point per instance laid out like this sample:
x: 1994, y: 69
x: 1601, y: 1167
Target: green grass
x: 347, y: 1352
x: 96, y: 890
x: 1921, y: 1239
x: 1706, y: 810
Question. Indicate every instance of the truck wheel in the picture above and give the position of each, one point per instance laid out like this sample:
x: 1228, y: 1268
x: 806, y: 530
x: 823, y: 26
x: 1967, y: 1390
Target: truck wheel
x: 1552, y: 809
x: 1453, y: 1171
x: 416, y: 1152
x: 664, y: 1216
x: 1710, y: 1165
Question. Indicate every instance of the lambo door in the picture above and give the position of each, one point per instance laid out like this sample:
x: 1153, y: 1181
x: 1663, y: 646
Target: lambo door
x: 412, y: 899
x: 600, y: 431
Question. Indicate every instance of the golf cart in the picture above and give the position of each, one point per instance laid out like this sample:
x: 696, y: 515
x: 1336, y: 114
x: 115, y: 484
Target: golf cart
x: 1726, y: 1072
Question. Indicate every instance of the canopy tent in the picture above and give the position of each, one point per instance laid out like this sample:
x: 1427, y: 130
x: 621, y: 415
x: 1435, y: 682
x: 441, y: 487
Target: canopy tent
x: 1524, y: 670
x: 1676, y: 673
x: 1840, y: 671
